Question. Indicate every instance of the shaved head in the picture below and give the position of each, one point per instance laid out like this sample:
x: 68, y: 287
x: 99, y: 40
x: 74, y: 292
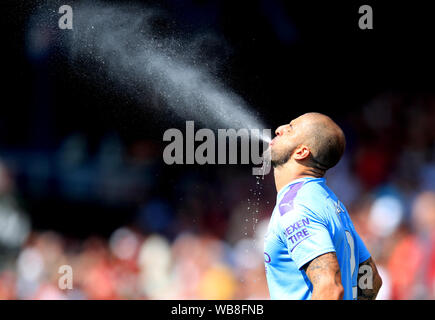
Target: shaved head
x: 319, y: 133
x: 324, y: 138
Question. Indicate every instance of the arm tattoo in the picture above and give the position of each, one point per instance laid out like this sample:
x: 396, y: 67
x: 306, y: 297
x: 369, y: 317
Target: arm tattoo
x: 324, y: 267
x: 371, y: 292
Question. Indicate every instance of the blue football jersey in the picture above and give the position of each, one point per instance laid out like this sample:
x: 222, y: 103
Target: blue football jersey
x: 308, y: 221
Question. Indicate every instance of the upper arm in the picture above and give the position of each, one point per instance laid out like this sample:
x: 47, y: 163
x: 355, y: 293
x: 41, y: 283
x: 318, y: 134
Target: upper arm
x: 325, y: 276
x: 310, y: 246
x: 369, y: 280
x: 323, y: 268
x: 306, y: 234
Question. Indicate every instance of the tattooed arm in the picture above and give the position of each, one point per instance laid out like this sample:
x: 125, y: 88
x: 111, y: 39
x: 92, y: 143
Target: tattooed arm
x: 369, y: 287
x: 325, y: 276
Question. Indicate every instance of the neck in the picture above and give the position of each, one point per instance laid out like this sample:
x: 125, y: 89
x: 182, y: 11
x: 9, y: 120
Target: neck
x: 287, y: 173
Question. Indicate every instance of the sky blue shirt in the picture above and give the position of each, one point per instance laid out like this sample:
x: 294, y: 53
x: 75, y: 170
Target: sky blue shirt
x: 308, y: 221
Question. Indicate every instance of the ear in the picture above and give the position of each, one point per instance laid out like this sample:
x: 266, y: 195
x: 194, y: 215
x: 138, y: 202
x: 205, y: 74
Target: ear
x: 301, y: 152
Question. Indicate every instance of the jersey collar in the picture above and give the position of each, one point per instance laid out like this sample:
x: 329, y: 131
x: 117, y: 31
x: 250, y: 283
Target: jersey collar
x: 305, y: 179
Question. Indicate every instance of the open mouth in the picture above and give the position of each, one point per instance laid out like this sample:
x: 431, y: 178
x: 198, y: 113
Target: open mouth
x: 273, y: 141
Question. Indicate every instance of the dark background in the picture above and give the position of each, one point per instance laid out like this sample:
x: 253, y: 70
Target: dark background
x: 287, y: 58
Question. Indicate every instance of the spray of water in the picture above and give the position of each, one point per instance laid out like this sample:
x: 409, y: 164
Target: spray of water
x: 122, y: 41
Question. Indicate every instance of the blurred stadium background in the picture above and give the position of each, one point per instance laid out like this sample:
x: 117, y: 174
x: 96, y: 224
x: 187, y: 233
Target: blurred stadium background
x: 82, y: 181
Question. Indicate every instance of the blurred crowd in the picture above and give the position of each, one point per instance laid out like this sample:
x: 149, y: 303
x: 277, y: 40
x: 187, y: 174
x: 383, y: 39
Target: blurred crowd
x: 131, y: 266
x: 211, y: 247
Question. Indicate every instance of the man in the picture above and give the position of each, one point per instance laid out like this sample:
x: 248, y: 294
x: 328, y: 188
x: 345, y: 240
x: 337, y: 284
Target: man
x: 312, y: 250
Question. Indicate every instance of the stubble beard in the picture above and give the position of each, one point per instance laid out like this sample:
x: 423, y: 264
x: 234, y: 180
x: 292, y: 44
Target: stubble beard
x: 278, y: 159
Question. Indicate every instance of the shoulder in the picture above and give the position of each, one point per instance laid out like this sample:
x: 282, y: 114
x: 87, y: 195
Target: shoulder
x: 314, y: 191
x: 305, y: 196
x: 288, y: 200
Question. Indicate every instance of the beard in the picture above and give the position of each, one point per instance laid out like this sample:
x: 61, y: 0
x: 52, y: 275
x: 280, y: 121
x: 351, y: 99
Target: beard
x: 280, y: 157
